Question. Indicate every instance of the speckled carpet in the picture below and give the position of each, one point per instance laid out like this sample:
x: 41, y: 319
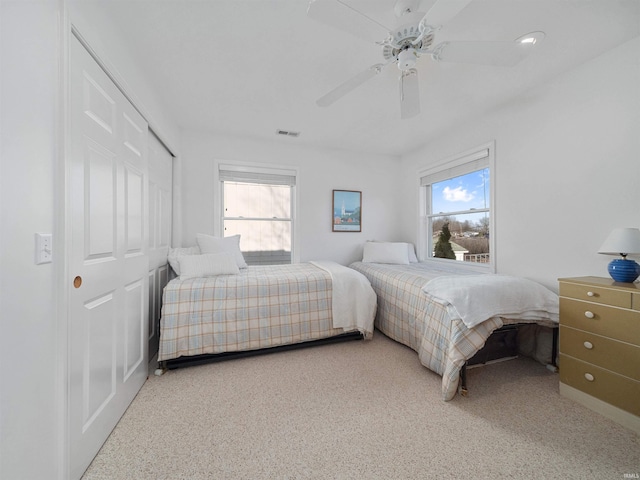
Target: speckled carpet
x: 360, y: 410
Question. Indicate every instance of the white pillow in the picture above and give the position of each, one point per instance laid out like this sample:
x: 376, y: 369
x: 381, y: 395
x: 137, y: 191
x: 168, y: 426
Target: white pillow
x: 207, y: 265
x: 412, y: 253
x: 386, y: 252
x: 210, y: 244
x: 176, y: 253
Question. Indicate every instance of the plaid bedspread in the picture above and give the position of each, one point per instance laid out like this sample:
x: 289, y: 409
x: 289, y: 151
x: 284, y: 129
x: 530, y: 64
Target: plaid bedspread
x: 263, y: 306
x: 410, y: 317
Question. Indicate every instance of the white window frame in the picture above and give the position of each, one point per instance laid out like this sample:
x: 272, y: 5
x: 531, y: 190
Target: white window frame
x: 257, y: 169
x: 469, y: 161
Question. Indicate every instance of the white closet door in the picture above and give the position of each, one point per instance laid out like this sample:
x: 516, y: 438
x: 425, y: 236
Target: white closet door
x: 108, y: 262
x: 160, y: 194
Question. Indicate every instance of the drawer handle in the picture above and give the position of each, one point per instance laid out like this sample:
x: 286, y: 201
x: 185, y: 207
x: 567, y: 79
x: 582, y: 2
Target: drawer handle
x: 588, y: 345
x: 591, y: 294
x: 589, y: 377
x: 589, y: 314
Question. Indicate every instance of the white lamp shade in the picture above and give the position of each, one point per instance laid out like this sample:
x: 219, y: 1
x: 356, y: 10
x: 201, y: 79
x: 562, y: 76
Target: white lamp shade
x: 622, y: 241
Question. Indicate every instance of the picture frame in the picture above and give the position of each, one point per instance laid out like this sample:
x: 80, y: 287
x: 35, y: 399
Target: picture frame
x: 346, y: 211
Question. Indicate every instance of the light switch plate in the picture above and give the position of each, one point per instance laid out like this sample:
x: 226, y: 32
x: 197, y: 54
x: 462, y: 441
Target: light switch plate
x: 44, y: 248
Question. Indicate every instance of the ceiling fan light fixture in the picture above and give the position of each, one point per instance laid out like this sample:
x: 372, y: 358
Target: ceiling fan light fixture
x: 407, y: 59
x: 414, y: 36
x: 531, y: 38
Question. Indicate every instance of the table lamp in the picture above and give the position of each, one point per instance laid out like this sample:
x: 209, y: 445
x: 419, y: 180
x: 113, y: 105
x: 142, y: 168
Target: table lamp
x: 622, y: 241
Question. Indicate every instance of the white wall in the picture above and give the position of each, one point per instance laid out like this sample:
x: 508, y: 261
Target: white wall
x: 320, y: 172
x: 28, y: 416
x: 567, y: 168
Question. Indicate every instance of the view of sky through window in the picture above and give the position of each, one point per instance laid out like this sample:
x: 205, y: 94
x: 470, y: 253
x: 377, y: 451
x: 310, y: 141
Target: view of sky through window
x: 463, y: 193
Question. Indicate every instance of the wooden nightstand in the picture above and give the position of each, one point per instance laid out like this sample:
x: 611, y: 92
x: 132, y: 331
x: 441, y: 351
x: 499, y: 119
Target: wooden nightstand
x: 600, y: 347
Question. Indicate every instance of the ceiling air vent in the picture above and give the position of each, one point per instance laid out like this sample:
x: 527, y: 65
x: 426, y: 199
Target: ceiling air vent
x: 287, y: 133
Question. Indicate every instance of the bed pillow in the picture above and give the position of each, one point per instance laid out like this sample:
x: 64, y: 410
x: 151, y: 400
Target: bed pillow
x: 386, y: 252
x: 207, y: 265
x: 210, y: 244
x: 412, y: 253
x: 176, y: 253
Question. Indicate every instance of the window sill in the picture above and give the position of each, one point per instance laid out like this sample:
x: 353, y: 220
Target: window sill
x: 458, y: 266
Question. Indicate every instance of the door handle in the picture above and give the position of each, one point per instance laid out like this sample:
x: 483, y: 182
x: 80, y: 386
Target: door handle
x: 77, y: 281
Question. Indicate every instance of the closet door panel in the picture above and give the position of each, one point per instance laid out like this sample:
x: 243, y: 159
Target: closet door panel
x: 160, y: 214
x: 100, y: 173
x: 134, y: 210
x: 99, y: 373
x: 134, y: 337
x: 108, y: 261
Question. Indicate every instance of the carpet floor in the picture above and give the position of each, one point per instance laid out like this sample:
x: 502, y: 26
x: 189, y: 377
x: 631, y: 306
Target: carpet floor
x: 360, y: 410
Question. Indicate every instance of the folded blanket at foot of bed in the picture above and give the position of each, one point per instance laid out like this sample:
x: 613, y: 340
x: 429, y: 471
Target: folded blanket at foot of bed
x: 475, y: 298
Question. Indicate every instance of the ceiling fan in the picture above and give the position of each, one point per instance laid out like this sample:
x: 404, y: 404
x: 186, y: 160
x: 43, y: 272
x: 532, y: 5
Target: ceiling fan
x: 414, y: 36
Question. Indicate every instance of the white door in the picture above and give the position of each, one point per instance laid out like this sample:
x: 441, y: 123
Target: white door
x: 108, y: 262
x: 160, y: 188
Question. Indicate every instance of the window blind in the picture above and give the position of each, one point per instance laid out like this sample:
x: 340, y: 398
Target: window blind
x: 464, y: 165
x: 231, y: 173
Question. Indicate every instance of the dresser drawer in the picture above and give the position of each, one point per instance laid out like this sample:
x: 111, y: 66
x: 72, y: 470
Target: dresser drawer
x: 596, y: 294
x: 619, y: 357
x: 600, y: 383
x: 602, y: 320
x: 635, y: 301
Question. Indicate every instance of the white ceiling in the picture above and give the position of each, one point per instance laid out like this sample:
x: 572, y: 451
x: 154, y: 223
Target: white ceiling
x: 251, y: 67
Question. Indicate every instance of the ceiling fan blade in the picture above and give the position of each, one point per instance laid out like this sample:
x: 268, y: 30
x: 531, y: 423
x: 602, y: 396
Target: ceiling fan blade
x: 340, y: 15
x: 344, y: 88
x: 499, y: 54
x: 409, y: 94
x: 443, y: 11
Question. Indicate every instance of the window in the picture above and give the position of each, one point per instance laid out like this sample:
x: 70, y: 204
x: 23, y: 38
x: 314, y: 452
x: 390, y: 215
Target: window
x: 456, y: 210
x: 258, y: 204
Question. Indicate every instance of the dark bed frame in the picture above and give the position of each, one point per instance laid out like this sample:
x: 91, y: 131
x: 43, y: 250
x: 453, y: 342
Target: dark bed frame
x: 218, y: 357
x: 502, y: 345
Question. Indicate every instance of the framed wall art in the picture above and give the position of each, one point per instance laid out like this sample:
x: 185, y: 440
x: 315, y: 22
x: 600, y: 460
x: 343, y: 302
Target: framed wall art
x: 347, y: 211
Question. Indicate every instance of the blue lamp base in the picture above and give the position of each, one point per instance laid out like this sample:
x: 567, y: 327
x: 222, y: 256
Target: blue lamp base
x: 623, y: 270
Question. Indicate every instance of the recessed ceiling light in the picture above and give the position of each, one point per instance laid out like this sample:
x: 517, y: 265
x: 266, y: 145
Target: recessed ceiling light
x: 531, y: 38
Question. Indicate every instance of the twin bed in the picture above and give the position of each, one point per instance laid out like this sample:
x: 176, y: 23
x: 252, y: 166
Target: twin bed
x: 263, y: 307
x: 445, y: 315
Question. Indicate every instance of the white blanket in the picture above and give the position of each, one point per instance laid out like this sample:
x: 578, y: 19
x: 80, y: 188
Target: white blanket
x: 476, y: 298
x: 353, y: 302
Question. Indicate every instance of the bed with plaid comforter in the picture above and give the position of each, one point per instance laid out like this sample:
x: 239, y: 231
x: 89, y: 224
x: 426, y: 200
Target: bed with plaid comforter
x: 409, y: 316
x: 262, y: 307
